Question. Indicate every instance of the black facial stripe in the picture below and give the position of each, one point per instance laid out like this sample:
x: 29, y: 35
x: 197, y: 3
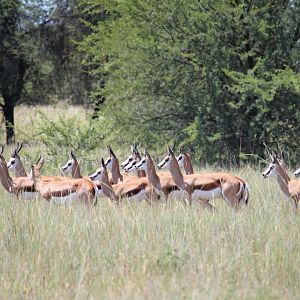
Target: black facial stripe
x: 271, y: 168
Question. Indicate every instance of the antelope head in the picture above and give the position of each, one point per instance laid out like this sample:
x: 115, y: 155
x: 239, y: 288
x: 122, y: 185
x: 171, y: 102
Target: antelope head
x: 165, y: 163
x: 111, y: 159
x: 2, y: 159
x: 36, y: 168
x: 15, y: 158
x: 68, y: 166
x: 180, y: 158
x: 273, y: 168
x: 145, y: 164
x: 130, y: 158
x: 98, y: 174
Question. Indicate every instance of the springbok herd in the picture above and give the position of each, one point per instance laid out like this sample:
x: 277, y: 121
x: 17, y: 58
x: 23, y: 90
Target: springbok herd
x: 148, y: 184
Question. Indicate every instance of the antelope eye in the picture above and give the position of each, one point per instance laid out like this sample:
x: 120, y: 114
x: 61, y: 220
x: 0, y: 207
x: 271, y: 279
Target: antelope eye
x: 13, y: 162
x: 167, y: 159
x: 130, y: 159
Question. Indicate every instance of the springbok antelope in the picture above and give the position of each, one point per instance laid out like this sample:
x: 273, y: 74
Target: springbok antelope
x: 207, y: 186
x: 16, y: 185
x: 15, y: 163
x: 184, y: 161
x: 137, y: 189
x: 163, y: 184
x: 290, y: 188
x: 73, y: 166
x: 112, y: 163
x: 63, y: 191
x: 132, y: 160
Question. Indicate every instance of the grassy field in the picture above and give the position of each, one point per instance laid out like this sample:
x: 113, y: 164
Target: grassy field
x: 141, y: 252
x: 137, y: 251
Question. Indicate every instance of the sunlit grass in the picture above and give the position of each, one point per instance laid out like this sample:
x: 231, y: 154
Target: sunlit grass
x: 137, y: 251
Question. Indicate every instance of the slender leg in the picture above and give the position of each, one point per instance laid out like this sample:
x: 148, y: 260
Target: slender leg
x: 206, y: 204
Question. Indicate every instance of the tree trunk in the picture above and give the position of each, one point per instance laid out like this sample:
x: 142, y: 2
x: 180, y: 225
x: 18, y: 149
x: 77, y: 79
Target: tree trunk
x: 8, y: 112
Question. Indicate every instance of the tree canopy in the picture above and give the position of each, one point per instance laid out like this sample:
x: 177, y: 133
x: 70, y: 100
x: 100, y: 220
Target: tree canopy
x: 219, y: 77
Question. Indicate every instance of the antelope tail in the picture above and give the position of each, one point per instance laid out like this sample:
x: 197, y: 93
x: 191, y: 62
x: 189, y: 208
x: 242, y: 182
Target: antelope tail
x: 243, y: 193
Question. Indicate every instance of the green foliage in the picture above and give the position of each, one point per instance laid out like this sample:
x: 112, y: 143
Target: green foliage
x: 67, y: 133
x: 219, y: 77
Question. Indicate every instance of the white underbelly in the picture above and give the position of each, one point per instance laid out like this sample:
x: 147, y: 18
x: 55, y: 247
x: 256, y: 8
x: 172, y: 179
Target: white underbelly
x: 64, y: 200
x: 212, y: 194
x: 138, y: 197
x: 28, y: 195
x: 99, y: 193
x: 177, y: 195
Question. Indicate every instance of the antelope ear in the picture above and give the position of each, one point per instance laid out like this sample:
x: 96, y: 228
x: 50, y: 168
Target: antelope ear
x: 170, y: 151
x: 19, y: 147
x: 272, y: 158
x: 41, y: 160
x: 282, y: 154
x: 275, y: 154
x: 103, y: 163
x: 173, y: 147
x: 147, y: 154
x: 111, y: 152
x: 132, y: 149
x: 72, y: 154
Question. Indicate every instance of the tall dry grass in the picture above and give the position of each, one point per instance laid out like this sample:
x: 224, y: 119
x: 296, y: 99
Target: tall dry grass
x: 137, y: 251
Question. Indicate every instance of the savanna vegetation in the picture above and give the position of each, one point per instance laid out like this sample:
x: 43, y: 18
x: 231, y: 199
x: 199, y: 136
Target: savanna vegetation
x: 218, y: 78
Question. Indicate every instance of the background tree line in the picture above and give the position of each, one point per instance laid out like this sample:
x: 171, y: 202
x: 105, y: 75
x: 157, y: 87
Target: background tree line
x: 220, y: 78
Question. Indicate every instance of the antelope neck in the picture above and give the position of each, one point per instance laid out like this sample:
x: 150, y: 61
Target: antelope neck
x: 176, y: 173
x: 141, y: 173
x: 19, y: 169
x: 187, y: 165
x: 283, y: 180
x: 115, y: 172
x: 106, y: 186
x: 5, y: 179
x: 152, y: 175
x: 76, y: 170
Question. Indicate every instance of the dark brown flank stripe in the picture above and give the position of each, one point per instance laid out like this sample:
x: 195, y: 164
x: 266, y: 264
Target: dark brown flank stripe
x: 173, y: 188
x: 206, y: 187
x: 132, y: 192
x: 29, y: 188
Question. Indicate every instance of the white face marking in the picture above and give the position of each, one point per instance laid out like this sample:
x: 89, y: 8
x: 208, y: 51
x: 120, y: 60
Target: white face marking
x: 165, y: 163
x: 11, y: 163
x: 180, y: 160
x: 68, y: 166
x: 130, y: 167
x: 297, y: 173
x: 97, y: 175
x: 141, y: 165
x: 126, y: 163
x: 270, y: 171
x: 108, y: 163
